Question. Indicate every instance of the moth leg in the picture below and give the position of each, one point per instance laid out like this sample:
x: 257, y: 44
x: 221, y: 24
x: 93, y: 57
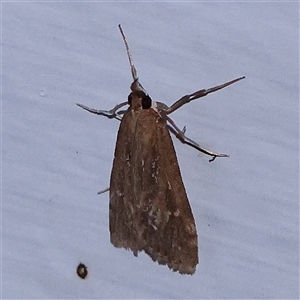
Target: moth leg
x: 180, y: 134
x: 198, y: 94
x: 107, y: 113
x: 103, y: 191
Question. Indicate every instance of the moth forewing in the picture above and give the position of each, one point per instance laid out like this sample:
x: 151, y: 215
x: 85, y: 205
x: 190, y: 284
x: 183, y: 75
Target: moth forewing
x: 149, y: 209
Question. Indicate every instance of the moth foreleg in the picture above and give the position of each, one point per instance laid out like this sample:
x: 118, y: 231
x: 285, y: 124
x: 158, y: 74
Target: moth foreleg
x: 113, y: 113
x: 180, y: 134
x: 198, y: 94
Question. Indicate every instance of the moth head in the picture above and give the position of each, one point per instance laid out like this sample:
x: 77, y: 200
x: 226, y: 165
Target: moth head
x: 140, y: 100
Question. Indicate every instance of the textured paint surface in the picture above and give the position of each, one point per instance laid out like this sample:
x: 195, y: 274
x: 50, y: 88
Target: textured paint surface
x: 56, y: 157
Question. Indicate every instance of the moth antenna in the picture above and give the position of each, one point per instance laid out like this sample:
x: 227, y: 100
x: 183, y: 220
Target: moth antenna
x: 133, y: 69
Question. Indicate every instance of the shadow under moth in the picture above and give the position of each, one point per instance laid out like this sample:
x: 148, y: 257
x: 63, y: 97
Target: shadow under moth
x: 149, y: 209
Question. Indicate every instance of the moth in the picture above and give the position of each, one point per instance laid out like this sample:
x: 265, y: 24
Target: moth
x: 149, y: 210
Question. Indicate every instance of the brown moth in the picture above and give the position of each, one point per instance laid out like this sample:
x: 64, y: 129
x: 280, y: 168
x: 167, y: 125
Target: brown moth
x: 149, y: 209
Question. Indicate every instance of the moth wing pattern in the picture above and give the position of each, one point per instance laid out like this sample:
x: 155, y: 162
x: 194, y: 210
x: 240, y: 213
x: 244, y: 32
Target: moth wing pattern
x: 149, y: 208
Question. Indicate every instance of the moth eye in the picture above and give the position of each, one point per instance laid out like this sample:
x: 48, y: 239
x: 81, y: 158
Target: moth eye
x: 146, y: 102
x: 129, y: 99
